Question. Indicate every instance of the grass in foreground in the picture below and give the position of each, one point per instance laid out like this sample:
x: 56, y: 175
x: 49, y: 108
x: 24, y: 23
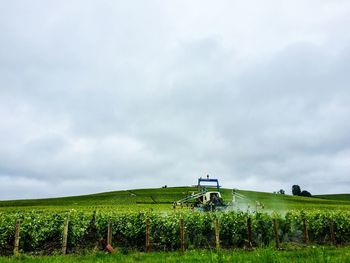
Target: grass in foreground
x: 309, y: 254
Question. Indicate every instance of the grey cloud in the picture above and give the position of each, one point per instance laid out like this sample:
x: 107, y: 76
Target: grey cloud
x: 113, y: 96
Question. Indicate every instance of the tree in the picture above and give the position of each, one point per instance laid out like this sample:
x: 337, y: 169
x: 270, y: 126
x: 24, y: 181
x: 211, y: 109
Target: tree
x: 281, y: 192
x: 296, y: 190
x: 305, y: 193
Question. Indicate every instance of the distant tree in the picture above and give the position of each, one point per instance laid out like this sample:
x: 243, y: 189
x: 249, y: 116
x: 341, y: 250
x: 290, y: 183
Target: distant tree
x: 281, y: 192
x: 305, y: 193
x: 296, y: 190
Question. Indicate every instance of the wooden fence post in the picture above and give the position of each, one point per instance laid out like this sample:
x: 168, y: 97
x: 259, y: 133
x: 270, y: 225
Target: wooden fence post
x: 17, y: 237
x: 306, y: 232
x: 109, y: 233
x: 249, y: 230
x: 275, y: 231
x: 65, y: 236
x: 182, y: 235
x: 147, y: 236
x: 331, y: 232
x: 217, y: 234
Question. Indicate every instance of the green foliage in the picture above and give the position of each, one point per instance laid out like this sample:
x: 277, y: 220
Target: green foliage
x: 262, y: 228
x: 42, y: 231
x: 305, y: 193
x: 296, y: 189
x: 42, y: 221
x: 261, y: 255
x: 7, y: 232
x: 165, y: 231
x: 233, y: 229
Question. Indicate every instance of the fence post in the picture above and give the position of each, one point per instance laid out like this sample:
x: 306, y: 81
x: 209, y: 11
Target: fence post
x: 109, y: 233
x: 249, y: 230
x: 65, y: 236
x: 275, y: 231
x: 147, y: 236
x: 217, y: 234
x: 182, y: 235
x: 331, y: 232
x: 17, y: 237
x: 306, y: 232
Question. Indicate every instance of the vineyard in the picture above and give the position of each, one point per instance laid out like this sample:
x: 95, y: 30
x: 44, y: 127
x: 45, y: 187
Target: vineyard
x: 49, y: 232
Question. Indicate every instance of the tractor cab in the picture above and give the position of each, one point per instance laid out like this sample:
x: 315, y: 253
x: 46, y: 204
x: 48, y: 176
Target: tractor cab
x: 209, y: 197
x: 209, y: 201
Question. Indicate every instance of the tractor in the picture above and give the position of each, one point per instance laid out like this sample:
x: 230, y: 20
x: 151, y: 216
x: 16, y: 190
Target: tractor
x: 209, y: 200
x: 204, y: 200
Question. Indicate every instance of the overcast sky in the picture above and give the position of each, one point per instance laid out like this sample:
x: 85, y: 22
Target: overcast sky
x: 105, y: 95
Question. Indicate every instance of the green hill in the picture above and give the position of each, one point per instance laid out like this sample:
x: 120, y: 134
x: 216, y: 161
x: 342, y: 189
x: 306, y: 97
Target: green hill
x: 124, y: 198
x: 340, y: 197
x: 162, y: 199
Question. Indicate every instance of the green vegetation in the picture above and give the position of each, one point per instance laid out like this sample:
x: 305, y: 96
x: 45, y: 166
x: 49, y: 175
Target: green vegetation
x: 41, y: 232
x: 42, y: 223
x: 126, y: 197
x: 266, y: 255
x: 338, y: 197
x: 160, y: 199
x: 284, y: 203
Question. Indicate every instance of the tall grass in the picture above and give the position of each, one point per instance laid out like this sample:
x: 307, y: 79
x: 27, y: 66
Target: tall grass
x: 263, y: 255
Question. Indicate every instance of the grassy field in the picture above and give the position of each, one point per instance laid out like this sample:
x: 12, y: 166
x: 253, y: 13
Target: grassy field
x: 268, y: 255
x: 338, y: 197
x: 161, y: 199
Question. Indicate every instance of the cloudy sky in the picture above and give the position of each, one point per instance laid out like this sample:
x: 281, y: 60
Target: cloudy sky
x: 104, y: 95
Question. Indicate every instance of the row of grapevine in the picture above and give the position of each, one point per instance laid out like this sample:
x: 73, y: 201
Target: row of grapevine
x: 41, y: 232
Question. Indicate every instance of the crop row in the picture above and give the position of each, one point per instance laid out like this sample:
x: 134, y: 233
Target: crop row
x: 42, y: 232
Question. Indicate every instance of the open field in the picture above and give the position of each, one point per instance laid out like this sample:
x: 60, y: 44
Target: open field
x: 266, y: 255
x: 161, y: 199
